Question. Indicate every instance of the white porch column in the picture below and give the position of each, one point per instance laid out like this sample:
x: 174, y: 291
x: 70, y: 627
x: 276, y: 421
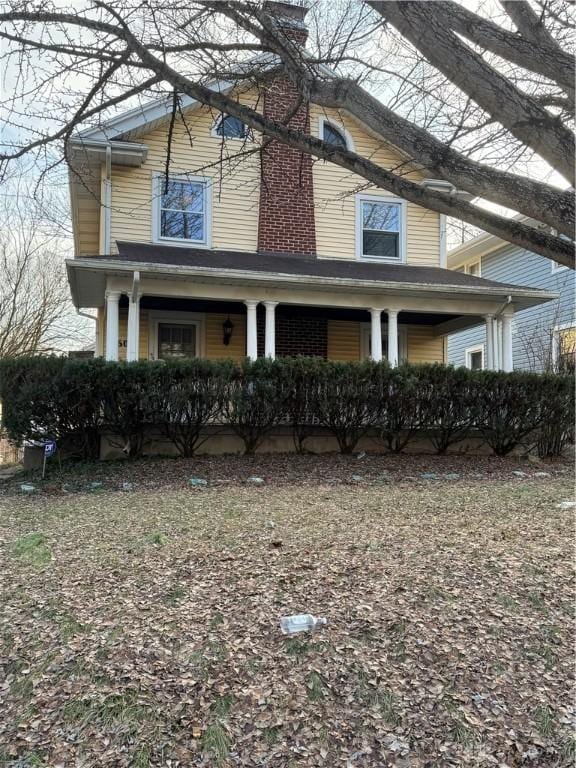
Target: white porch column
x: 507, y: 356
x: 376, y: 334
x: 133, y: 340
x: 251, y: 332
x: 112, y: 324
x: 495, y: 346
x: 489, y: 342
x: 393, y: 337
x: 270, y: 329
x: 500, y: 346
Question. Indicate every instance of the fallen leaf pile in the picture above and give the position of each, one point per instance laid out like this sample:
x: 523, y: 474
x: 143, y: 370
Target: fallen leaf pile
x: 285, y: 469
x: 141, y: 628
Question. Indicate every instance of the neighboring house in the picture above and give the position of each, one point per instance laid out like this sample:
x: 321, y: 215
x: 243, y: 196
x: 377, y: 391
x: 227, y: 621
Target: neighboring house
x: 266, y: 253
x: 543, y: 336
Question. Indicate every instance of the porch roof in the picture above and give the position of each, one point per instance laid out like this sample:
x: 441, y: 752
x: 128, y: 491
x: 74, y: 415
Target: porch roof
x: 88, y: 274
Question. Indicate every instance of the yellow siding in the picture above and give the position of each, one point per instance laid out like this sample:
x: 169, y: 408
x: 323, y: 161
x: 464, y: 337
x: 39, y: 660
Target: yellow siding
x: 87, y: 214
x: 235, y: 190
x: 335, y: 190
x: 343, y: 340
x: 215, y: 349
x: 423, y: 346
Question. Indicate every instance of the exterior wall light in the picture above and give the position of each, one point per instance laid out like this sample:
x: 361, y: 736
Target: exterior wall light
x: 227, y: 328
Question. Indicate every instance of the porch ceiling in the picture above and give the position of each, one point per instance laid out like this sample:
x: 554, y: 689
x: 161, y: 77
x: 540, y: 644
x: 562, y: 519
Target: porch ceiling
x: 283, y: 310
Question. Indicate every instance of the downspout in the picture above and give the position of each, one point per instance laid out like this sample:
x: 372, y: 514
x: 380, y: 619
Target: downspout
x: 443, y: 250
x: 498, y: 345
x: 107, y: 202
x: 96, y: 330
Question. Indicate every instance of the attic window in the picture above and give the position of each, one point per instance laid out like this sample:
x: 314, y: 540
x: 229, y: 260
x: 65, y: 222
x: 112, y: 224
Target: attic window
x: 230, y: 127
x: 334, y: 136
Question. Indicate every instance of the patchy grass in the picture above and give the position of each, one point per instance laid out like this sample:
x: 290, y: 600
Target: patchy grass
x: 33, y: 548
x: 141, y: 628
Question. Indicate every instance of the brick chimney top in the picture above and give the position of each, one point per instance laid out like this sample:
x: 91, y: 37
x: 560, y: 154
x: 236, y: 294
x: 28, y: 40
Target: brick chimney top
x: 290, y: 18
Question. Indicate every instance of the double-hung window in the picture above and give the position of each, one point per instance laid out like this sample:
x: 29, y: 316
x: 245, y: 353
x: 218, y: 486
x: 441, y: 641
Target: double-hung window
x: 380, y: 229
x: 182, y: 209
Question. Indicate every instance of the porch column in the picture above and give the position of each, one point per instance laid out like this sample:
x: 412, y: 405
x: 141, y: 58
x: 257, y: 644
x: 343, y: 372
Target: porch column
x: 495, y: 346
x: 489, y: 342
x: 376, y: 334
x: 507, y: 356
x: 251, y: 332
x: 270, y: 330
x: 112, y: 324
x: 133, y: 340
x: 393, y: 337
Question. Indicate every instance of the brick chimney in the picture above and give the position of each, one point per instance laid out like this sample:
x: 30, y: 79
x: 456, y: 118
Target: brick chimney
x: 286, y: 221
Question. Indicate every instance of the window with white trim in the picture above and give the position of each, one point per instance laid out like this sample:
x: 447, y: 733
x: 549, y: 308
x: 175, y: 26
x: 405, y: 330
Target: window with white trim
x: 177, y: 341
x: 380, y: 229
x: 230, y: 127
x: 475, y: 358
x: 182, y: 209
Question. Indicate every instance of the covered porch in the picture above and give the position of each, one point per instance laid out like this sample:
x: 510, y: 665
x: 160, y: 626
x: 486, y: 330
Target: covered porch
x: 150, y: 310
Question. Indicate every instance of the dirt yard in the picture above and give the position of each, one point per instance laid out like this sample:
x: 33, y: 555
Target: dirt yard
x: 139, y: 627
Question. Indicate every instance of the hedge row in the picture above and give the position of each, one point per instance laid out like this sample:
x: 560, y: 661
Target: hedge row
x: 74, y: 401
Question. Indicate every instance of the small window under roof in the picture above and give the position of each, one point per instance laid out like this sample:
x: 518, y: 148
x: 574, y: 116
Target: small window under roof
x: 333, y: 135
x: 230, y: 127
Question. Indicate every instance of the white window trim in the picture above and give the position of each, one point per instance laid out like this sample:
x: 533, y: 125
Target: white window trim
x: 555, y: 336
x: 216, y: 124
x: 157, y: 179
x: 339, y: 127
x: 472, y: 264
x: 465, y: 268
x: 402, y: 239
x: 156, y: 317
x: 365, y: 331
x: 469, y: 351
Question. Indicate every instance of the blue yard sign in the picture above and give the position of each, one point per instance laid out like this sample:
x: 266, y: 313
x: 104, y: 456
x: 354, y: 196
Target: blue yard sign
x: 49, y: 448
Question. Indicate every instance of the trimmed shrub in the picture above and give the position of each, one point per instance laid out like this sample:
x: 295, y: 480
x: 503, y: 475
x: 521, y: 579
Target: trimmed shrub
x: 445, y: 404
x: 556, y: 428
x: 75, y: 401
x: 128, y: 405
x: 344, y: 400
x: 507, y: 407
x: 186, y: 397
x: 397, y: 409
x: 55, y: 398
x: 299, y: 381
x: 254, y: 401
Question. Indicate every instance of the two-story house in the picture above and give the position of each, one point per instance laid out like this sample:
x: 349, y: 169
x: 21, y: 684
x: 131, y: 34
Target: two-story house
x: 543, y: 336
x: 233, y: 249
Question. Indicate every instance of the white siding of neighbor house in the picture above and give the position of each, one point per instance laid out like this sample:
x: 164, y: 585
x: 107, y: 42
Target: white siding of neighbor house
x: 520, y: 267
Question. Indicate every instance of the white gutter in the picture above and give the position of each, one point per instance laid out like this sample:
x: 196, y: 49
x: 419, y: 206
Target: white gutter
x: 174, y: 270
